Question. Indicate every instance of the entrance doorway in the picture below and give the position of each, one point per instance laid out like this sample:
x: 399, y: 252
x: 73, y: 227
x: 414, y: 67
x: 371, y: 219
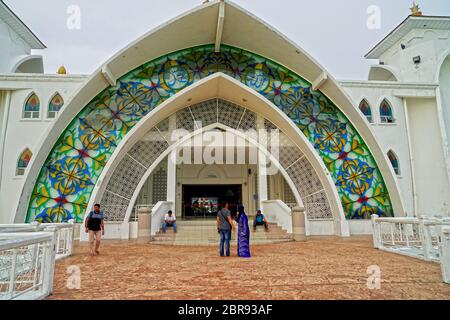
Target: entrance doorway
x: 204, y: 201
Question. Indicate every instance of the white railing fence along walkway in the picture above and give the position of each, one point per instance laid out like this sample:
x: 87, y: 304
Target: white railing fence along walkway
x: 27, y: 263
x: 422, y: 238
x: 64, y: 234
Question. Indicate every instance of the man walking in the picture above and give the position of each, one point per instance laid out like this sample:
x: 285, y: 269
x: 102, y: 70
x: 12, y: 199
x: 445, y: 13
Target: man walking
x: 225, y: 227
x: 95, y: 227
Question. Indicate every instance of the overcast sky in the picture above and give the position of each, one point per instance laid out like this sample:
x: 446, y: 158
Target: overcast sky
x: 334, y: 32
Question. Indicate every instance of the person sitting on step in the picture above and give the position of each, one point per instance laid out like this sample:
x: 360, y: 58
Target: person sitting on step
x: 170, y: 221
x: 260, y: 220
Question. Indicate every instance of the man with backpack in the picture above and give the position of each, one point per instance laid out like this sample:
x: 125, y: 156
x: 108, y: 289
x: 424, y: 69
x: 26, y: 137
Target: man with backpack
x: 224, y: 227
x: 95, y: 227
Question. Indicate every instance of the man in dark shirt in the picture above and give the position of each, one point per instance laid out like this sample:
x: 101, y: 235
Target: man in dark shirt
x: 95, y: 227
x: 225, y: 227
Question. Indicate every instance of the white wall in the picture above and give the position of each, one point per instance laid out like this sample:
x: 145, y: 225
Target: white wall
x: 390, y: 136
x: 25, y: 133
x: 428, y: 44
x: 444, y: 88
x: 430, y: 171
x: 12, y: 47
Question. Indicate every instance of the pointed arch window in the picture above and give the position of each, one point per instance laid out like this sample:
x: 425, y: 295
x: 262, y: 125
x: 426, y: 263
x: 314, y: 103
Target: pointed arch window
x: 364, y: 107
x: 386, y: 114
x: 23, y: 162
x: 394, y: 162
x: 32, y: 107
x: 55, y: 106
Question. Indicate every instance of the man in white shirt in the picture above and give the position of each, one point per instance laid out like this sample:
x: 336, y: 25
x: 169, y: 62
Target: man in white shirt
x: 170, y: 221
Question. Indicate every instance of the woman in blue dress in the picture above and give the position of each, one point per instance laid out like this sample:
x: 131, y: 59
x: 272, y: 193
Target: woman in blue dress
x: 243, y: 238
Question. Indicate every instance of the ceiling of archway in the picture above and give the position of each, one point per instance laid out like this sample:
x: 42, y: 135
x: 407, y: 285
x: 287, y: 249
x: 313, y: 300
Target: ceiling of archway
x: 67, y: 179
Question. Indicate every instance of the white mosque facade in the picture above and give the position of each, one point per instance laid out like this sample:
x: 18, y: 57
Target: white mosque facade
x: 347, y: 149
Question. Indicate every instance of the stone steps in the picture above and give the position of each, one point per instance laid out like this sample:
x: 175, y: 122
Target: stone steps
x: 204, y: 233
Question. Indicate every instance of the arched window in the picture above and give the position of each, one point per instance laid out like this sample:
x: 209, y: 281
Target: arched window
x: 32, y: 107
x: 23, y: 162
x: 55, y: 106
x: 366, y: 110
x: 386, y: 114
x: 394, y: 161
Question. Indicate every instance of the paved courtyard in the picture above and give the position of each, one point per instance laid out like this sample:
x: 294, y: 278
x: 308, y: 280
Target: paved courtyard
x: 317, y: 269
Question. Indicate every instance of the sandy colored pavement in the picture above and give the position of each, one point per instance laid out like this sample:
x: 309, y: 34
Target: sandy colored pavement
x: 317, y: 269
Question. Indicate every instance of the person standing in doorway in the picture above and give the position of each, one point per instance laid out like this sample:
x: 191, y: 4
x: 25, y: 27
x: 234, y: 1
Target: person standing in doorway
x: 95, y: 227
x: 225, y: 227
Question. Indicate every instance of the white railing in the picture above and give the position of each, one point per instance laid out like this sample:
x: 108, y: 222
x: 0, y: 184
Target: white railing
x: 415, y: 237
x: 278, y: 212
x: 445, y: 253
x: 159, y: 211
x: 27, y: 263
x: 64, y: 234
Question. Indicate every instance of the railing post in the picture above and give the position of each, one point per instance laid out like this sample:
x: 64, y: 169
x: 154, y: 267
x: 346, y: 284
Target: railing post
x: 298, y: 224
x: 444, y: 252
x: 71, y: 237
x: 376, y: 232
x: 49, y: 258
x: 425, y: 238
x: 12, y: 275
x: 144, y: 225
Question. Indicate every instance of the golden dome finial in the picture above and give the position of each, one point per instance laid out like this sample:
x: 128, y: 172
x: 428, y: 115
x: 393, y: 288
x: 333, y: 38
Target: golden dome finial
x: 62, y: 70
x: 415, y: 10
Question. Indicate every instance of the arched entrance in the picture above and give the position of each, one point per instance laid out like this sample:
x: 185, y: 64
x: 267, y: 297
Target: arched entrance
x: 150, y: 143
x: 72, y: 170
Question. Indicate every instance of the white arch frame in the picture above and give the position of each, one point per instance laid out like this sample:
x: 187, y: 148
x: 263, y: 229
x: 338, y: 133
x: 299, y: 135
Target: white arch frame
x: 184, y: 31
x: 174, y: 146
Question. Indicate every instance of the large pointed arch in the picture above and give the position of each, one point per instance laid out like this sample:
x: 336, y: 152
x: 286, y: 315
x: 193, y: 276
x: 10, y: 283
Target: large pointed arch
x: 89, y: 124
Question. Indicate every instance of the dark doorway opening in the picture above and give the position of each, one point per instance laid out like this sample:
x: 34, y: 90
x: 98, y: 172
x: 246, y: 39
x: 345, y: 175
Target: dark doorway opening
x: 204, y: 201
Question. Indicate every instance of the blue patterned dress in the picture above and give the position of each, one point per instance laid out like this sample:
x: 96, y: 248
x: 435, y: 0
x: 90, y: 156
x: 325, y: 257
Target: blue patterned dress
x: 243, y: 245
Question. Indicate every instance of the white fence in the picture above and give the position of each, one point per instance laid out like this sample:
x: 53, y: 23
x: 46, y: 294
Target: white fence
x: 422, y: 238
x: 64, y: 234
x: 27, y: 263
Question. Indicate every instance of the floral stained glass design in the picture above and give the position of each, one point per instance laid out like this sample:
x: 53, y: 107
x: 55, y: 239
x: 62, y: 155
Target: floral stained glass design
x: 23, y: 162
x: 394, y: 161
x: 55, y: 106
x: 32, y: 107
x: 67, y: 179
x: 366, y: 110
x: 386, y: 114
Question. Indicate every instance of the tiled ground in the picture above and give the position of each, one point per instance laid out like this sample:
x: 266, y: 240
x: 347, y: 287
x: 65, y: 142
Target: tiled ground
x: 317, y: 269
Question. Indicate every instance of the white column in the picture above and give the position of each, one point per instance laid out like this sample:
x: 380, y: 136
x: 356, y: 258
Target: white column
x: 172, y: 176
x: 262, y: 168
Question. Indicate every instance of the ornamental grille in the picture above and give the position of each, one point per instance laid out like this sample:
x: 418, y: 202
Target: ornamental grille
x: 159, y: 185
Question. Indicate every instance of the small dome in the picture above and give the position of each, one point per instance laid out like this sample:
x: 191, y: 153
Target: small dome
x: 62, y: 70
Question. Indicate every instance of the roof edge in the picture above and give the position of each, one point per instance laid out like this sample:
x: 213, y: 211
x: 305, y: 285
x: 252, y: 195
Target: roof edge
x: 30, y: 37
x: 372, y: 55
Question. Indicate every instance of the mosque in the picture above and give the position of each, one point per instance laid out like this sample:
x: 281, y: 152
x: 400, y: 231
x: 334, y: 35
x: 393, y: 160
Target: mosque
x: 194, y: 114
